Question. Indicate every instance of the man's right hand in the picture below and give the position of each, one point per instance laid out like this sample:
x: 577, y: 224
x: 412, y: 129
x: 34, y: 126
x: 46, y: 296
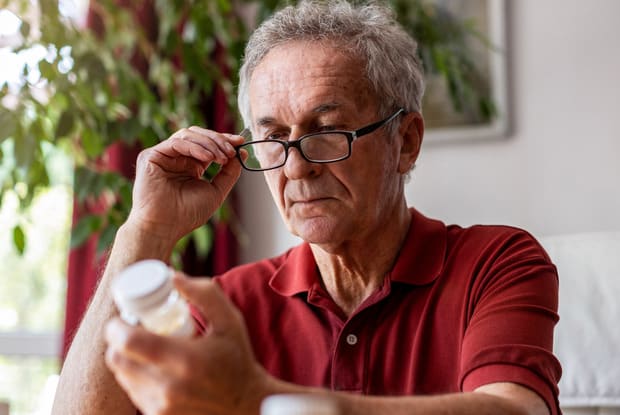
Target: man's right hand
x: 170, y: 196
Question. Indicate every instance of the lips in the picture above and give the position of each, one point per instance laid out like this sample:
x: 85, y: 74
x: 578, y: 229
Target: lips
x: 306, y: 197
x: 305, y: 194
x: 309, y: 200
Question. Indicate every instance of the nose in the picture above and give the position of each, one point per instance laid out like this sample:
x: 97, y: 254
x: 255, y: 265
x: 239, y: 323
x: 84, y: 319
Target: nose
x: 297, y: 167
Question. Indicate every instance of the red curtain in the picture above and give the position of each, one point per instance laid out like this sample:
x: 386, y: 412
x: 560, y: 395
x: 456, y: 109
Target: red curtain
x: 85, y: 268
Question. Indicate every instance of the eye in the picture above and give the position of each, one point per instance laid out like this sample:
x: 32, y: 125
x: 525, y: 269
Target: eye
x: 275, y: 136
x: 326, y: 128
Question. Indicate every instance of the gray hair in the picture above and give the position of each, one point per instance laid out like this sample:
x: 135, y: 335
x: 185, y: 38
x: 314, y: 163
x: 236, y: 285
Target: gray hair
x: 367, y: 32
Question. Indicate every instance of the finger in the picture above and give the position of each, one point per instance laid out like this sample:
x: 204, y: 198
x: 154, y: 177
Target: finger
x: 140, y: 382
x: 220, y: 144
x: 244, y: 154
x: 234, y: 139
x: 125, y: 367
x: 226, y: 178
x: 142, y: 346
x: 220, y: 313
x: 196, y: 147
x: 122, y: 365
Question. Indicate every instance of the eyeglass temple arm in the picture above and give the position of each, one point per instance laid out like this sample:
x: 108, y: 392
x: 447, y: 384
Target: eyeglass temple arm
x: 246, y: 134
x: 372, y: 127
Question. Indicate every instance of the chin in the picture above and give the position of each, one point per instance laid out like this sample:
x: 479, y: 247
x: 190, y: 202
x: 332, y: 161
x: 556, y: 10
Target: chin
x: 319, y: 230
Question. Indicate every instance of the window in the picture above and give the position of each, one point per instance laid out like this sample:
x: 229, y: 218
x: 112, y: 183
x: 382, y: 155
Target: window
x: 33, y: 284
x: 33, y: 291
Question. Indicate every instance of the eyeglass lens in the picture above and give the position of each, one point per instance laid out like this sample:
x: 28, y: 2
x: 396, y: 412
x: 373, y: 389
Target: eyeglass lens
x: 324, y: 147
x: 316, y: 147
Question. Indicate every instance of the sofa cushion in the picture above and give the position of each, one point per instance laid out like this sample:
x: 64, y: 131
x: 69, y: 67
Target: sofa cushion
x: 587, y: 340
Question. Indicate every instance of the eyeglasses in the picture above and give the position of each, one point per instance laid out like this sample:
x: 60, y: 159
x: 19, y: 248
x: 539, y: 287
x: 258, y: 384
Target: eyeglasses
x: 321, y: 147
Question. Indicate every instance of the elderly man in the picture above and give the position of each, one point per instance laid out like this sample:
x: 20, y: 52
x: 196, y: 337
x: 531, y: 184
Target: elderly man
x: 380, y: 309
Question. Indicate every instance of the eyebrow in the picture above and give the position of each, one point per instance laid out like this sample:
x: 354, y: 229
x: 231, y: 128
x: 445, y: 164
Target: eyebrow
x: 263, y: 121
x: 319, y: 109
x: 330, y: 106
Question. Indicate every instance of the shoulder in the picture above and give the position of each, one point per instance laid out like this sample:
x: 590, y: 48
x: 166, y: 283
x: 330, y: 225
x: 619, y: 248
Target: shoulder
x: 494, y: 241
x: 488, y: 259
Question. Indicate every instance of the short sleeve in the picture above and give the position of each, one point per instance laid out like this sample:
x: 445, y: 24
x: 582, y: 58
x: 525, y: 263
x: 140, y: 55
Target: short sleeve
x: 511, y: 317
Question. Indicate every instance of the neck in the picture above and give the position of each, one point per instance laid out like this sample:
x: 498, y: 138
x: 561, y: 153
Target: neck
x: 355, y: 269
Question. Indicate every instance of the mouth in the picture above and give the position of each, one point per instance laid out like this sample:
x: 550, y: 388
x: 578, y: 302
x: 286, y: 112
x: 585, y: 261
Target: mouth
x: 309, y: 201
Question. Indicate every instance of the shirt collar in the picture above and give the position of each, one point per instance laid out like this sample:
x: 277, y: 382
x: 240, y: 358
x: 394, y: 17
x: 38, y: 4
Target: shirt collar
x: 297, y: 274
x: 423, y: 252
x: 424, y: 247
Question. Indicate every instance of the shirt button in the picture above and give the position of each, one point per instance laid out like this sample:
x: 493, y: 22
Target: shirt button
x: 352, y: 339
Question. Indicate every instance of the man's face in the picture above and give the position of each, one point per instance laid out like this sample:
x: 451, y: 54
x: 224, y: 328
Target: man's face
x: 305, y: 87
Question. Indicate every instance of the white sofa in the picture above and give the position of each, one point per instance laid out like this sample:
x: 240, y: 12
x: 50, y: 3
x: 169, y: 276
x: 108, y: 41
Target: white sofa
x: 587, y: 339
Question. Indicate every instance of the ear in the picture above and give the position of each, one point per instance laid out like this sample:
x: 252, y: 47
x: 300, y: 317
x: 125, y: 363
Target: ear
x: 411, y: 131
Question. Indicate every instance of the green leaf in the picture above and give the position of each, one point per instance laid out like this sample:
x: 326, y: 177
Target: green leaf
x: 224, y: 5
x: 37, y: 174
x: 19, y: 239
x: 8, y: 124
x: 25, y: 150
x: 176, y: 259
x: 106, y: 237
x: 94, y: 66
x: 113, y: 181
x: 129, y: 130
x: 65, y: 124
x: 203, y: 240
x: 124, y: 194
x: 85, y: 227
x: 84, y: 183
x: 25, y: 29
x: 47, y: 70
x: 211, y: 171
x: 92, y: 143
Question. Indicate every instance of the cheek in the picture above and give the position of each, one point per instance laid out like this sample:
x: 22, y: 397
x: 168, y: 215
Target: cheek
x: 380, y: 179
x: 275, y: 183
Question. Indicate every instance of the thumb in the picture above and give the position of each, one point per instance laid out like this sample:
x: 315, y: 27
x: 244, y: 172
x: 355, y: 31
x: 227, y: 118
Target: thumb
x: 226, y: 178
x: 207, y: 296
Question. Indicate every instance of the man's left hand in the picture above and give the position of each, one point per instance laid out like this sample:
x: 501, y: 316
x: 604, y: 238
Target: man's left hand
x: 212, y: 374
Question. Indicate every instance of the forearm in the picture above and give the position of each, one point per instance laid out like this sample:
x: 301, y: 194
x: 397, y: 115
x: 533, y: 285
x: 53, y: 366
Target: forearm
x: 472, y: 403
x: 86, y: 385
x: 493, y: 399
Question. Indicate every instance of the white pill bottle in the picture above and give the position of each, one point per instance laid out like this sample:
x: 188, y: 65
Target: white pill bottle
x: 144, y: 293
x: 298, y: 404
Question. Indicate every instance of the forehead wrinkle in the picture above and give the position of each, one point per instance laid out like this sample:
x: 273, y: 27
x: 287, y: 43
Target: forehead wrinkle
x: 328, y: 84
x: 319, y: 109
x: 263, y: 121
x: 326, y: 107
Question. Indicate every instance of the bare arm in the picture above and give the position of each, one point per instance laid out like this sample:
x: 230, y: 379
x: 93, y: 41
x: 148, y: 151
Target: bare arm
x: 492, y: 399
x: 86, y: 385
x: 170, y: 199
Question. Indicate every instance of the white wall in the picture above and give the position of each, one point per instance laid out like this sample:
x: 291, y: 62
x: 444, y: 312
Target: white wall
x: 559, y: 169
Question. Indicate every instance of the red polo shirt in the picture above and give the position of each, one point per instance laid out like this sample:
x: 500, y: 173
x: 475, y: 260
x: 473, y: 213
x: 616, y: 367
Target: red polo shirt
x: 461, y: 308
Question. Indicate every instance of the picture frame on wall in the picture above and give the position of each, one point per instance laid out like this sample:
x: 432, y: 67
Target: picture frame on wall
x: 443, y: 122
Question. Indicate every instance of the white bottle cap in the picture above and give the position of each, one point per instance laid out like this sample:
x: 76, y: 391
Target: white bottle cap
x: 298, y: 404
x: 142, y: 285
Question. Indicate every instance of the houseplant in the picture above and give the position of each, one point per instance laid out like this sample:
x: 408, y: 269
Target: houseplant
x: 146, y: 71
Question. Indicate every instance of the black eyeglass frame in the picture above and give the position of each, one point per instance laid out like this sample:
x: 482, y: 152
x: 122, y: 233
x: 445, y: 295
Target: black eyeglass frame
x: 351, y: 136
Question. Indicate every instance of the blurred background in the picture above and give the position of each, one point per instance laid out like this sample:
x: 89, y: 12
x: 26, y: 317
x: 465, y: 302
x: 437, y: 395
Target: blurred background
x: 529, y: 139
x: 556, y: 170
